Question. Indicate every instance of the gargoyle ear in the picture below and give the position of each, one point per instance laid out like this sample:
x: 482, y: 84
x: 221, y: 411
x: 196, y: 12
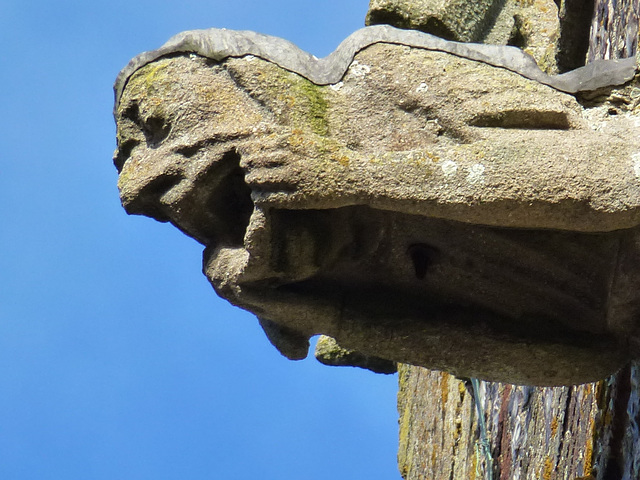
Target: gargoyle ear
x: 290, y: 343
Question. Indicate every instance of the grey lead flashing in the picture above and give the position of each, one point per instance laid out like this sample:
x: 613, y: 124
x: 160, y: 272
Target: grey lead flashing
x: 219, y: 44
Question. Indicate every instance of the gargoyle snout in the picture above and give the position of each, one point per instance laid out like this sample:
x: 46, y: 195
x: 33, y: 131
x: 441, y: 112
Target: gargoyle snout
x: 146, y: 198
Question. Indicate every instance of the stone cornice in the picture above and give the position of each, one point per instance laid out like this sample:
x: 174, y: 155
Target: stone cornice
x: 219, y: 44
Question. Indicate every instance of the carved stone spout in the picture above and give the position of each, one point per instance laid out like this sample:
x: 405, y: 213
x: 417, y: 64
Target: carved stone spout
x: 418, y: 200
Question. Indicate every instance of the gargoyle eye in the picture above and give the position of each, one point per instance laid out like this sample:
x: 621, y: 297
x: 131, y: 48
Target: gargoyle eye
x: 132, y: 112
x: 156, y: 129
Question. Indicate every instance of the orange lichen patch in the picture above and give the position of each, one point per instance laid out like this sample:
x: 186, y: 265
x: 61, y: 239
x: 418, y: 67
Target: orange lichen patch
x: 474, y: 467
x: 422, y: 158
x: 444, y: 388
x: 548, y: 468
x: 288, y: 99
x: 341, y: 159
x: 588, y: 450
x: 554, y: 426
x: 462, y: 390
x: 298, y: 139
x: 432, y: 156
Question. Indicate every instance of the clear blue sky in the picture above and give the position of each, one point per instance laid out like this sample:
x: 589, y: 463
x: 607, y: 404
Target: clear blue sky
x: 117, y: 360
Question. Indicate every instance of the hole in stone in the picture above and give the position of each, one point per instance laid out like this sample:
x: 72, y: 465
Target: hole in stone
x: 156, y: 130
x: 423, y: 257
x: 231, y: 200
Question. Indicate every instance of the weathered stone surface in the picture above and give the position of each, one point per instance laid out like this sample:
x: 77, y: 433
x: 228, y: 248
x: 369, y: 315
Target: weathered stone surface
x: 330, y: 353
x: 557, y: 33
x: 426, y: 209
x: 533, y: 26
x: 458, y: 20
x: 559, y: 433
x: 614, y: 29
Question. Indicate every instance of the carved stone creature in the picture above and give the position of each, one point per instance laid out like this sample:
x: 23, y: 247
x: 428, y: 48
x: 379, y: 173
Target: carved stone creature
x: 424, y: 208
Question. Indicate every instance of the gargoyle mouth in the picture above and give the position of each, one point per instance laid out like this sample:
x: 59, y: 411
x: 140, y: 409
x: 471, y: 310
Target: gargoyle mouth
x: 212, y: 206
x: 229, y: 202
x: 148, y: 200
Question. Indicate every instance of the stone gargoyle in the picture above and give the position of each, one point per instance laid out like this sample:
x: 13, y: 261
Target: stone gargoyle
x: 422, y: 201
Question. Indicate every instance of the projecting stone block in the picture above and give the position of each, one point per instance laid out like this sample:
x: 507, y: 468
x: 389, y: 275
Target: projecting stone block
x: 531, y: 26
x: 421, y: 205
